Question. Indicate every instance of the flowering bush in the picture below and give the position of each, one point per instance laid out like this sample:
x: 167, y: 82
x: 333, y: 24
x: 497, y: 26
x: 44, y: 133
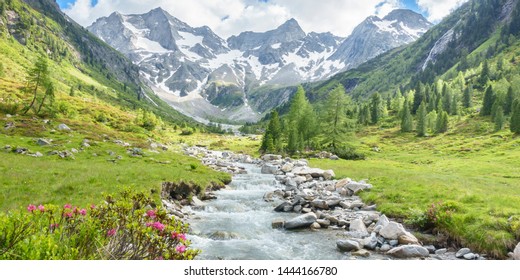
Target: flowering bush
x: 123, y: 228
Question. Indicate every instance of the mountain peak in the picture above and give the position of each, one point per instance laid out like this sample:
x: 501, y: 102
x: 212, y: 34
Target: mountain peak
x: 405, y: 15
x: 291, y: 25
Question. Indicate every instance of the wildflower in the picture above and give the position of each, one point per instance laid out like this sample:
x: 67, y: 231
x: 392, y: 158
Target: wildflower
x: 111, y: 232
x: 41, y: 208
x: 180, y: 249
x: 31, y: 208
x: 67, y: 206
x: 67, y: 215
x: 151, y: 214
x: 181, y: 236
x: 157, y: 225
x: 92, y: 206
x: 54, y: 226
x: 83, y: 212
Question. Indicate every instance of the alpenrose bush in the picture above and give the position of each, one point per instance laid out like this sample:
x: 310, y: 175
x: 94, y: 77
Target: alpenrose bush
x: 122, y: 228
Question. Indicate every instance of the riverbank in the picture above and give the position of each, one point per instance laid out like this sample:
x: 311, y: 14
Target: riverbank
x: 320, y: 203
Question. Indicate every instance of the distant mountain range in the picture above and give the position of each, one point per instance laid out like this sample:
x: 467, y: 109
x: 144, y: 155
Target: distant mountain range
x: 207, y: 77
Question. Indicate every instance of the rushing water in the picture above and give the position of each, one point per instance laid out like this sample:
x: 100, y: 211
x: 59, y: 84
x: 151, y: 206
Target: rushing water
x: 237, y: 226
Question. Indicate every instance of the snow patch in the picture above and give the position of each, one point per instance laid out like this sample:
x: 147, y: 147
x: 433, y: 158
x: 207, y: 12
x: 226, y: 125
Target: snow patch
x: 386, y: 26
x: 276, y: 46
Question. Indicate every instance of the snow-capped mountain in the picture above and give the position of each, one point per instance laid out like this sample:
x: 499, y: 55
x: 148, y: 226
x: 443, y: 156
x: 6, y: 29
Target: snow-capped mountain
x: 204, y: 76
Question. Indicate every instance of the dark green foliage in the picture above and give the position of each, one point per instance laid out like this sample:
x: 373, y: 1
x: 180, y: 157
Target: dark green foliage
x: 272, y: 140
x: 38, y: 77
x: 348, y: 153
x: 335, y: 126
x: 489, y: 99
x: 419, y: 97
x: 442, y: 122
x: 376, y: 104
x: 499, y: 119
x: 364, y: 117
x: 406, y: 119
x: 484, y: 75
x: 422, y: 126
x: 467, y: 98
x: 510, y: 98
x: 515, y: 117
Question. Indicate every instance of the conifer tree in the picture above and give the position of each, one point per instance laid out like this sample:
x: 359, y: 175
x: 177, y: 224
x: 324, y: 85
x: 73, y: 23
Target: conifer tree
x: 489, y: 99
x: 467, y: 99
x: 510, y: 98
x: 484, y: 75
x: 38, y: 77
x: 422, y: 126
x: 499, y: 119
x: 515, y: 117
x: 376, y: 111
x: 335, y: 117
x: 442, y: 122
x: 406, y: 119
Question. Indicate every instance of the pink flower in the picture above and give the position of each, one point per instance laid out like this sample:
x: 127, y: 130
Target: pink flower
x: 31, y: 208
x: 67, y: 215
x: 180, y: 236
x: 111, y: 232
x: 157, y: 225
x: 83, y: 212
x: 92, y: 206
x: 180, y: 249
x: 55, y: 226
x: 151, y: 214
x: 41, y: 208
x: 67, y: 206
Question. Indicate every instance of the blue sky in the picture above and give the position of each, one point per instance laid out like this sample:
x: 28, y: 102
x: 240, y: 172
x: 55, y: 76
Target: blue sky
x: 230, y: 17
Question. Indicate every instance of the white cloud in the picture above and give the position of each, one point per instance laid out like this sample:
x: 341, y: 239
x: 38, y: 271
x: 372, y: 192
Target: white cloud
x: 438, y: 9
x: 337, y: 16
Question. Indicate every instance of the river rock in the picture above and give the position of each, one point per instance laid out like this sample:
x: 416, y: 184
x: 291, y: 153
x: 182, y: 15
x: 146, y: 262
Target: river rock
x: 315, y: 226
x: 392, y: 231
x: 358, y: 187
x: 385, y: 248
x: 430, y: 249
x: 370, y: 242
x: 270, y: 157
x: 281, y: 207
x: 277, y: 223
x: 516, y: 252
x: 329, y: 174
x: 383, y: 221
x: 361, y: 253
x: 320, y: 204
x: 409, y: 251
x: 297, y: 208
x: 323, y: 222
x: 301, y: 221
x: 348, y: 245
x: 408, y: 239
x: 333, y: 202
x: 441, y: 251
x: 269, y: 169
x: 223, y: 235
x: 358, y: 225
x: 462, y: 252
x: 470, y: 256
x: 63, y: 127
x: 288, y: 167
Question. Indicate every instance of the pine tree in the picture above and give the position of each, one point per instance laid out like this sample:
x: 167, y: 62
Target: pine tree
x: 422, y: 126
x: 510, y: 98
x: 419, y: 97
x: 489, y: 99
x: 484, y: 75
x: 455, y: 105
x: 499, y: 119
x: 375, y: 108
x: 515, y: 117
x: 442, y: 122
x: 335, y: 117
x: 432, y: 121
x: 446, y: 98
x: 38, y: 77
x: 302, y: 119
x: 272, y: 140
x: 406, y: 119
x: 467, y: 99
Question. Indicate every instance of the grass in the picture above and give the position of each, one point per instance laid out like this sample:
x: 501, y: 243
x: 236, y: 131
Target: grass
x: 479, y: 174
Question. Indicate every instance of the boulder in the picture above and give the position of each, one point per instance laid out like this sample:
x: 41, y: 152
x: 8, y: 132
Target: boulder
x: 385, y: 248
x: 270, y: 157
x: 470, y: 256
x: 315, y: 226
x: 63, y: 127
x: 358, y: 187
x: 348, y: 245
x: 223, y: 235
x: 408, y: 239
x: 281, y: 207
x: 516, y: 252
x: 361, y: 253
x: 383, y: 221
x: 462, y: 252
x: 323, y: 223
x: 342, y: 183
x: 430, y: 249
x: 358, y: 225
x: 269, y: 169
x: 301, y: 221
x: 320, y: 204
x: 43, y: 142
x: 329, y: 174
x: 409, y: 251
x: 441, y: 251
x: 288, y: 167
x: 392, y: 231
x: 370, y: 242
x: 277, y: 223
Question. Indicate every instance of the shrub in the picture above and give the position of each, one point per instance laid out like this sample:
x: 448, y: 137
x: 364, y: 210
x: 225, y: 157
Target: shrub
x: 349, y: 153
x: 438, y: 215
x: 122, y: 228
x: 187, y: 131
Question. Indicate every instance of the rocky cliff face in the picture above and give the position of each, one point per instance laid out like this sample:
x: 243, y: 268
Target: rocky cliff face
x: 207, y: 77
